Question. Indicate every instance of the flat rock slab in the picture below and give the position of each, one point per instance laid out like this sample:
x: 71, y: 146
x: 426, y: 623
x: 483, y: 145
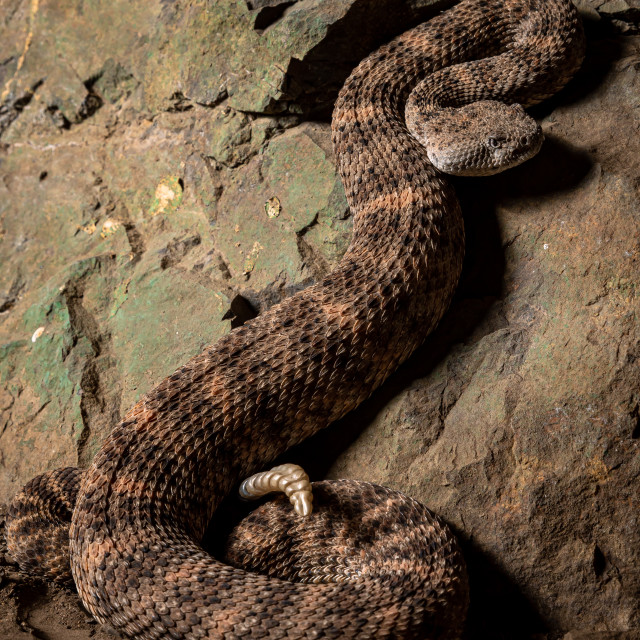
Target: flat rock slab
x: 176, y: 177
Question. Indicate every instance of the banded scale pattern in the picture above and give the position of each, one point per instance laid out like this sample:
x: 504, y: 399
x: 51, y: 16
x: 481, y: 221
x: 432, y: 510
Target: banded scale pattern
x: 370, y: 563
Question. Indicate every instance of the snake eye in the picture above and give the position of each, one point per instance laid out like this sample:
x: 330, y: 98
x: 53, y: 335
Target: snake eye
x: 494, y: 143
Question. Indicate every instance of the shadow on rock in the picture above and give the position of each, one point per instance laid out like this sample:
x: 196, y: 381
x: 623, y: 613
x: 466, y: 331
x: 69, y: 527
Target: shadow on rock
x: 313, y: 82
x: 498, y: 608
x: 558, y: 168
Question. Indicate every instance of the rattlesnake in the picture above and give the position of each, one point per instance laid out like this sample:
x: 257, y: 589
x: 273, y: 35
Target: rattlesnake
x: 368, y: 562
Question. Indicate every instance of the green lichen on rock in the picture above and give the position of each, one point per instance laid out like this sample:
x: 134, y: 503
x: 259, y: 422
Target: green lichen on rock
x: 114, y: 81
x: 300, y: 173
x: 230, y: 137
x: 42, y: 373
x: 331, y: 233
x: 160, y: 322
x: 167, y: 196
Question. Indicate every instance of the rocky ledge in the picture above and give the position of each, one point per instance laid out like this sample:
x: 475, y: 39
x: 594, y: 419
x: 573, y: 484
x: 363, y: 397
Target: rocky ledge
x: 166, y: 173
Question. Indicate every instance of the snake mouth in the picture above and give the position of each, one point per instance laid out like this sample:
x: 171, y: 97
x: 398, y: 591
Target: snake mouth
x: 517, y: 156
x: 527, y: 152
x: 483, y: 163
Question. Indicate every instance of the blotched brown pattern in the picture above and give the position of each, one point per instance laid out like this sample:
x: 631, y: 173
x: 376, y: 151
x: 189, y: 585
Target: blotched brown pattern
x: 370, y: 562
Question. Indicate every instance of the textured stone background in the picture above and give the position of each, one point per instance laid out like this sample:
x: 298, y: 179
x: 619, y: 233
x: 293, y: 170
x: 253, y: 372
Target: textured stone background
x: 166, y: 172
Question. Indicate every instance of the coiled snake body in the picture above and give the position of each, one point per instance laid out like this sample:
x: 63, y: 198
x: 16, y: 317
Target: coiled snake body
x: 369, y: 562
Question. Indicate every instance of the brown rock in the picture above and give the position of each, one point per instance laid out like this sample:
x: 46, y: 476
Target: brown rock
x: 149, y: 200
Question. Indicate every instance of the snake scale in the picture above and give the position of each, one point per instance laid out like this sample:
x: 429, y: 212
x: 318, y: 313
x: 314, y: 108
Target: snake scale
x: 368, y: 562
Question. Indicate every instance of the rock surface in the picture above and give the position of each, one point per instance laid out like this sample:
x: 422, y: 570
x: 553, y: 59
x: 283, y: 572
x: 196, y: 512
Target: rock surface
x: 175, y: 177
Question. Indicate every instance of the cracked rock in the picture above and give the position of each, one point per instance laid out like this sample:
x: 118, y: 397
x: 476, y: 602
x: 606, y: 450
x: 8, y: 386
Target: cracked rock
x: 199, y: 186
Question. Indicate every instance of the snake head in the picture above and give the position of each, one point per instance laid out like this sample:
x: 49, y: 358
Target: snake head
x: 477, y: 139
